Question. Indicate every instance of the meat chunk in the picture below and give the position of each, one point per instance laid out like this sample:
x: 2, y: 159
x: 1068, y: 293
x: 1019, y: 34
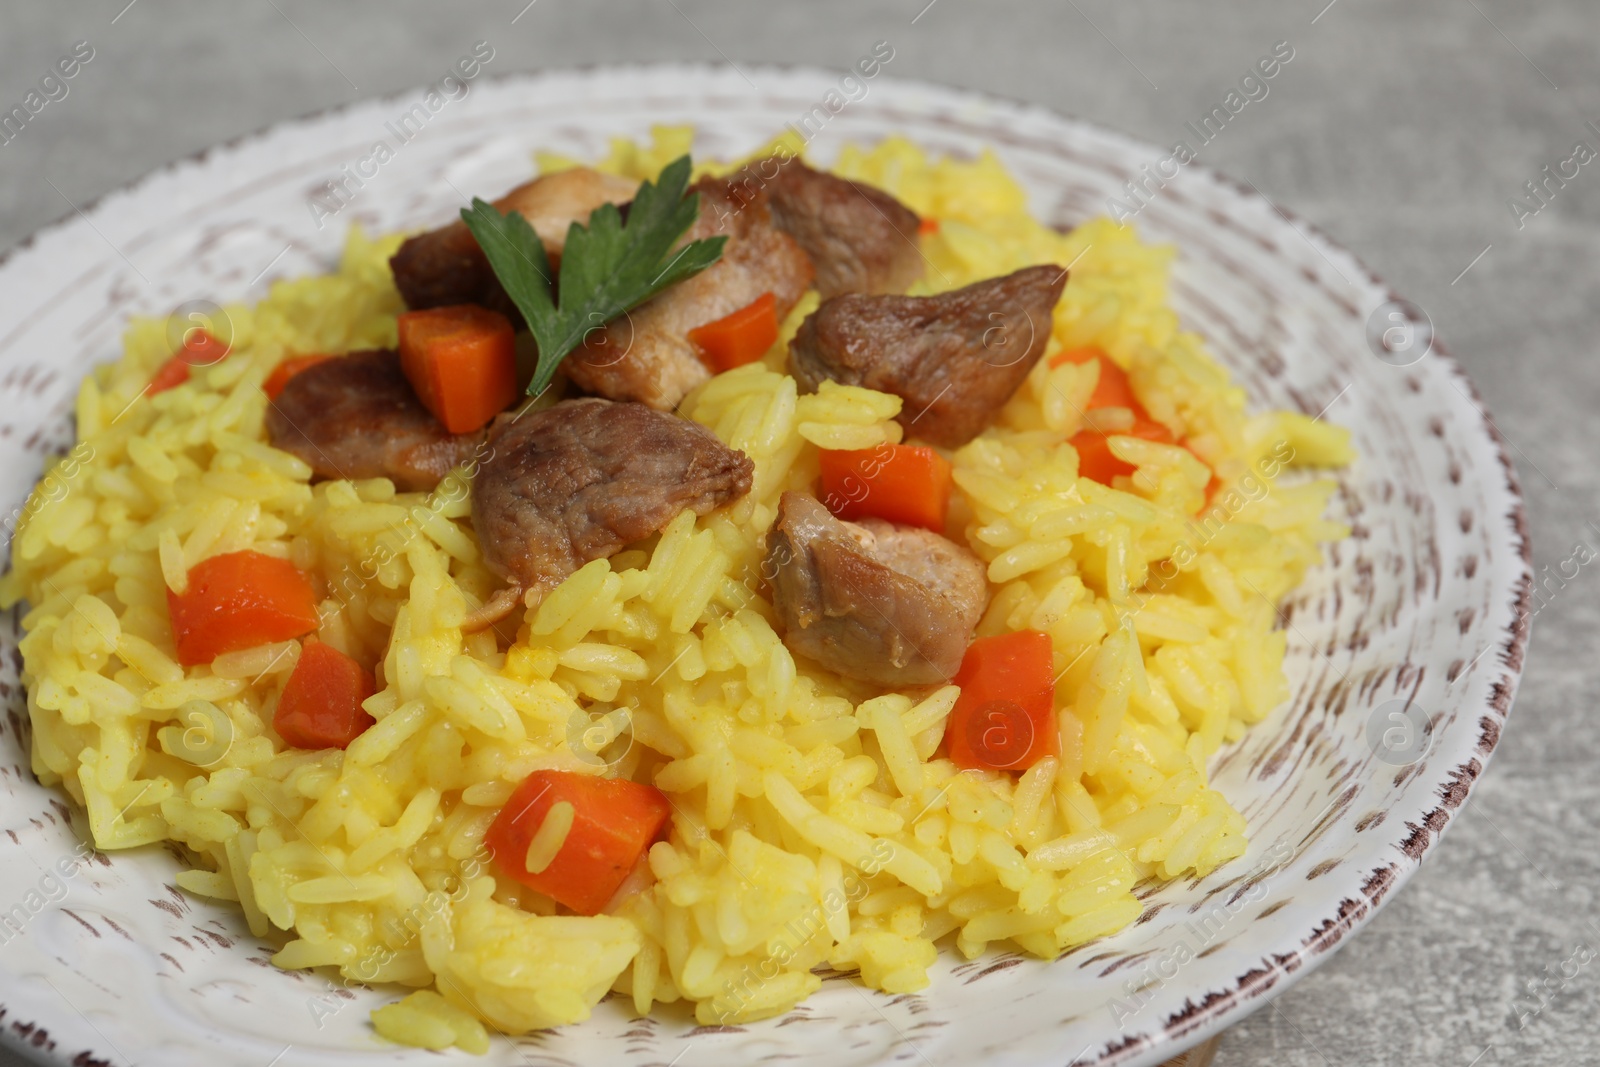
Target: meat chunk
x: 646, y: 355
x: 446, y: 266
x: 955, y: 358
x: 859, y: 238
x: 895, y: 605
x: 580, y: 480
x: 358, y: 417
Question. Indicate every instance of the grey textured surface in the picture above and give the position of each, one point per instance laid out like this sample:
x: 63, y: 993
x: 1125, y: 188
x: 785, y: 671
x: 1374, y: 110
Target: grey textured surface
x: 1400, y: 129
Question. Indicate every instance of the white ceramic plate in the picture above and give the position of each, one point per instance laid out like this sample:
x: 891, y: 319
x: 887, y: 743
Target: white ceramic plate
x: 1425, y: 603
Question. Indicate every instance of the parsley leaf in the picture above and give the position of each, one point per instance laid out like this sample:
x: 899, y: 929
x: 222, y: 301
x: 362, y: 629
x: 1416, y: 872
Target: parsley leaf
x: 607, y: 268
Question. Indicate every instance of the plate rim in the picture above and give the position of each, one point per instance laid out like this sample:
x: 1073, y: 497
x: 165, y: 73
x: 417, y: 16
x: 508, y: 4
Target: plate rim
x: 1244, y: 994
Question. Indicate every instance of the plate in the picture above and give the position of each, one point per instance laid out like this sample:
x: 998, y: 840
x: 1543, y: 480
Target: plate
x: 1404, y: 647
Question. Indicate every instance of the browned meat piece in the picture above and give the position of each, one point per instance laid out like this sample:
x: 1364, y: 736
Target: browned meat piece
x: 446, y: 266
x: 895, y: 605
x: 646, y: 354
x: 955, y: 358
x: 580, y: 480
x: 860, y: 239
x: 358, y: 417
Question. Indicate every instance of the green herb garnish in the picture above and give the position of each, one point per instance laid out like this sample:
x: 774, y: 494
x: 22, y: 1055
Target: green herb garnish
x: 607, y: 267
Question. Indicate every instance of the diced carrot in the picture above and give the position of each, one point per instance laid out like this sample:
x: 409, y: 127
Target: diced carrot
x: 928, y: 227
x: 173, y: 373
x: 1095, y: 459
x: 199, y: 349
x: 462, y: 361
x: 740, y: 338
x: 1076, y: 355
x: 321, y: 703
x: 614, y: 821
x: 202, y: 348
x: 1005, y: 717
x: 907, y: 484
x: 239, y: 600
x: 1113, y: 389
x: 288, y: 369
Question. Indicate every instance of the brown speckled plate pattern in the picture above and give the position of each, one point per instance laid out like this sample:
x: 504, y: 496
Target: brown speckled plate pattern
x: 1425, y: 602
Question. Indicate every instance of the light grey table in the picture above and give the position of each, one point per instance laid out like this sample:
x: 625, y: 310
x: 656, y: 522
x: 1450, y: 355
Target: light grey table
x: 1403, y: 129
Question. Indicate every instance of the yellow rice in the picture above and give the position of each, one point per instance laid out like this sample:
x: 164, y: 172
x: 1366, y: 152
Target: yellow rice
x: 812, y: 824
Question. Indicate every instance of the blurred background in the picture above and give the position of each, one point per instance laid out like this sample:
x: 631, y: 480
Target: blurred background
x: 1409, y: 132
